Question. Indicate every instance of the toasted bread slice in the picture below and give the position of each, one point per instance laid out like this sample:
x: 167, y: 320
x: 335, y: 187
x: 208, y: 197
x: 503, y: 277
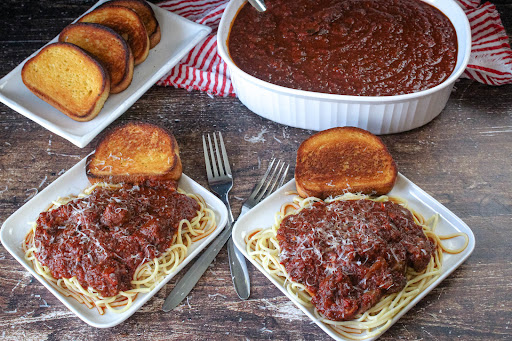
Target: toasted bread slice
x: 68, y: 78
x: 146, y: 13
x: 108, y: 47
x: 134, y: 153
x: 125, y: 22
x: 345, y: 159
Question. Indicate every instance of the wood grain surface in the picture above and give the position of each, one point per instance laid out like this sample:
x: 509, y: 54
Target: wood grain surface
x: 463, y: 158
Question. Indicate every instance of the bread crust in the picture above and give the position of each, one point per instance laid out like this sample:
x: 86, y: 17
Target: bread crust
x: 134, y: 153
x: 155, y: 37
x: 108, y: 47
x: 344, y: 159
x: 146, y: 13
x: 125, y: 22
x: 51, y: 83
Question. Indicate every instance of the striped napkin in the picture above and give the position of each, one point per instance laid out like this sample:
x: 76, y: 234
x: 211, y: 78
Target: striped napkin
x: 490, y: 61
x: 203, y: 69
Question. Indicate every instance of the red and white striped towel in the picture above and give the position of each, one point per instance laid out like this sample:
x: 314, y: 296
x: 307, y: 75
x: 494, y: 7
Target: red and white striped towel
x: 490, y: 61
x: 203, y: 69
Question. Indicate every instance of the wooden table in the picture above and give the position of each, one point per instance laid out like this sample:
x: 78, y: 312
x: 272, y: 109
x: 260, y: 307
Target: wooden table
x: 463, y: 158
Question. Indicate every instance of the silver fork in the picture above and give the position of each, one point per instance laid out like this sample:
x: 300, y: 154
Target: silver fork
x: 189, y: 280
x: 220, y: 181
x: 266, y: 186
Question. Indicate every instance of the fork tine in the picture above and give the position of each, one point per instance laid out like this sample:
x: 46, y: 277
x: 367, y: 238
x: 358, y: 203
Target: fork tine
x: 262, y: 180
x: 212, y: 155
x: 275, y: 182
x: 271, y: 179
x: 224, y: 155
x: 217, y: 152
x: 281, y: 181
x: 207, y: 160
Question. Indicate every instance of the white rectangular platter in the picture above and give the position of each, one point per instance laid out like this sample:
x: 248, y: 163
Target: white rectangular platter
x: 179, y: 36
x: 73, y: 182
x: 263, y: 216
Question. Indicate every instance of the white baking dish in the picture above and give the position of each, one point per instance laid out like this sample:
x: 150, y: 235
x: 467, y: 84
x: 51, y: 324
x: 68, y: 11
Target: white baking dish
x: 319, y: 111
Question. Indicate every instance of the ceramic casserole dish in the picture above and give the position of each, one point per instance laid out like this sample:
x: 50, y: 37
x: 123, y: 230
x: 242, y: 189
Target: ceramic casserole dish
x: 319, y: 111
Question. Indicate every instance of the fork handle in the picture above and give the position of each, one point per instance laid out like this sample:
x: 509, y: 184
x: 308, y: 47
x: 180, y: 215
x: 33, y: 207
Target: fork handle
x: 196, y: 271
x: 239, y: 273
x: 237, y: 264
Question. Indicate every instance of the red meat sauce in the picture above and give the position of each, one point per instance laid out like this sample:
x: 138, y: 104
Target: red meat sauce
x: 102, y: 238
x: 346, y: 47
x: 349, y: 254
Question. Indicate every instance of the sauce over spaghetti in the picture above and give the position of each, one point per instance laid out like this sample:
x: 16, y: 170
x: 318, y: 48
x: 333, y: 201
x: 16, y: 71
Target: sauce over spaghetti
x: 102, y: 238
x: 349, y: 254
x: 346, y: 47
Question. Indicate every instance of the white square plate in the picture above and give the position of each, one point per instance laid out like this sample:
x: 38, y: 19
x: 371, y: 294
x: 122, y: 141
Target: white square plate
x: 74, y: 181
x: 179, y: 36
x: 262, y: 216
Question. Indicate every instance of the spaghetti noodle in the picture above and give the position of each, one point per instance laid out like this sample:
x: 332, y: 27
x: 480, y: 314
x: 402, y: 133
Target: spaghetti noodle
x: 264, y: 247
x: 149, y: 271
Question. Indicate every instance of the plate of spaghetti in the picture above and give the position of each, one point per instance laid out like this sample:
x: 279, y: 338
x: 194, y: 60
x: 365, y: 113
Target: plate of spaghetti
x: 354, y: 263
x: 104, y: 250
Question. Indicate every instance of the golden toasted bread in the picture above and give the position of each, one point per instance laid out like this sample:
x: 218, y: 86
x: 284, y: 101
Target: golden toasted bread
x: 108, y: 47
x: 133, y: 153
x: 125, y: 22
x: 345, y: 159
x: 146, y: 13
x: 69, y: 79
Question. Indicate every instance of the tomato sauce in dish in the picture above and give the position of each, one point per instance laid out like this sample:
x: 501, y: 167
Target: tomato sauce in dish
x: 102, y: 238
x: 349, y: 254
x: 346, y: 47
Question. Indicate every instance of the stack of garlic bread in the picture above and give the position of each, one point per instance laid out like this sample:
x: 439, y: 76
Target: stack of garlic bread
x: 105, y: 45
x: 134, y: 153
